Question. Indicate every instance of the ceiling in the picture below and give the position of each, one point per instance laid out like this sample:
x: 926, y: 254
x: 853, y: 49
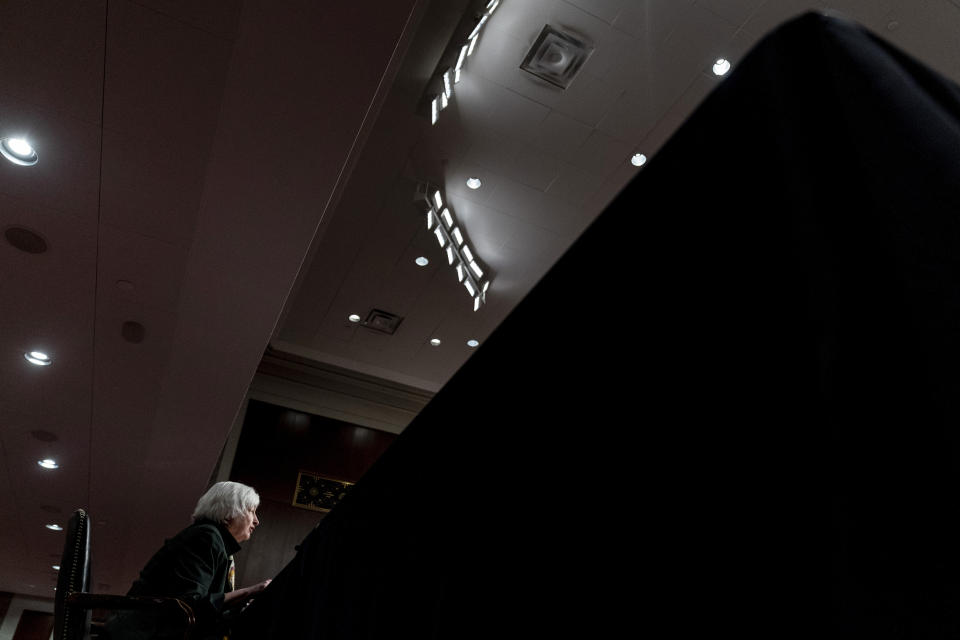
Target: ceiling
x: 238, y: 175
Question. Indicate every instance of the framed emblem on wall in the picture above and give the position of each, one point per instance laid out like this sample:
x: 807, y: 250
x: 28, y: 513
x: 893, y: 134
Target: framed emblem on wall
x: 318, y: 493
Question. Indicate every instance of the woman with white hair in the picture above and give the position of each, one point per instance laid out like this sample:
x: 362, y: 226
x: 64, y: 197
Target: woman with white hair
x: 196, y: 565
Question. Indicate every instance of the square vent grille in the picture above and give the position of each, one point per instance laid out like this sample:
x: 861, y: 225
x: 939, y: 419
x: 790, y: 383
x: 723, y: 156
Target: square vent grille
x: 382, y: 321
x: 556, y: 57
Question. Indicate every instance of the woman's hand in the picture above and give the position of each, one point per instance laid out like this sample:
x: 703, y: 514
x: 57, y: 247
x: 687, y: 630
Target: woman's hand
x: 245, y: 592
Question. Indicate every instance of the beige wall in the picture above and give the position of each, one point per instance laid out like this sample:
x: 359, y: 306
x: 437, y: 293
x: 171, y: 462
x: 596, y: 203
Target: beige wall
x: 17, y: 605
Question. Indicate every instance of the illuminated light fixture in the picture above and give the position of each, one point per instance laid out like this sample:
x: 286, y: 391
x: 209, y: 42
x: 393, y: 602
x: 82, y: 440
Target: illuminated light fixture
x: 353, y: 317
x: 474, y: 183
x: 56, y: 567
x: 18, y: 151
x: 638, y: 160
x: 422, y: 261
x: 476, y: 29
x: 449, y: 69
x: 472, y: 343
x: 721, y: 66
x: 38, y: 358
x: 435, y: 342
x: 461, y: 58
x: 48, y: 463
x: 443, y: 223
x: 447, y: 83
x: 54, y: 527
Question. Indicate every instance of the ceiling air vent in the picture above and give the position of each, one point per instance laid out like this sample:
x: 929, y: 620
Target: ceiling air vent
x: 556, y: 57
x: 382, y: 321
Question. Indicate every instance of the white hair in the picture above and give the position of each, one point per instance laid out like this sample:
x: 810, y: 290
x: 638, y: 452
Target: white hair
x: 225, y: 501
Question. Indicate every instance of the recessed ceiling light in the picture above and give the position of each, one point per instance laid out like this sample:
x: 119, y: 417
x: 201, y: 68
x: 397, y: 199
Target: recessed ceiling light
x: 353, y: 317
x: 474, y: 183
x: 638, y: 160
x: 721, y: 66
x: 435, y: 342
x: 38, y: 358
x: 422, y: 261
x: 47, y: 463
x: 18, y: 151
x: 54, y: 527
x: 472, y: 343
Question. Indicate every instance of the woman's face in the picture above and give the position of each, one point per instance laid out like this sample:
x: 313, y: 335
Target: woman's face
x: 242, y: 526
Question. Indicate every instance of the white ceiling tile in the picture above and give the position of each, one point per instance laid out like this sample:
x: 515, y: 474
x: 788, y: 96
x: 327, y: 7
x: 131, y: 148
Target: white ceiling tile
x: 517, y: 116
x: 697, y: 40
x: 602, y: 153
x: 659, y: 135
x: 165, y: 79
x: 735, y: 12
x: 515, y: 199
x: 457, y: 173
x: 492, y: 149
x: 560, y: 134
x: 698, y: 90
x: 523, y: 20
x: 154, y: 268
x: 213, y: 16
x: 533, y: 168
x: 774, y: 13
x: 629, y: 118
x: 51, y: 54
x: 615, y: 182
x: 566, y: 16
x: 651, y: 21
x: 588, y: 98
x: 618, y: 55
x: 606, y: 10
x: 929, y: 29
x: 574, y: 184
x: 144, y: 193
x: 66, y: 174
x: 870, y: 13
x: 497, y: 58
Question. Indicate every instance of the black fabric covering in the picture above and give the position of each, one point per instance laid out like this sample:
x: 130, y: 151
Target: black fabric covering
x: 737, y: 388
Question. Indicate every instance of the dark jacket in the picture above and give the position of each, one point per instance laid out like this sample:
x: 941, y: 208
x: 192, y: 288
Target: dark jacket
x: 193, y: 566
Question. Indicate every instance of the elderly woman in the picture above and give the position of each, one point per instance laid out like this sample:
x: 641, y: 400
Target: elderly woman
x: 196, y: 565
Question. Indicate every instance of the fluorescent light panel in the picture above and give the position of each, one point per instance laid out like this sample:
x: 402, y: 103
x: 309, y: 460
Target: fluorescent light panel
x: 476, y: 29
x: 451, y: 240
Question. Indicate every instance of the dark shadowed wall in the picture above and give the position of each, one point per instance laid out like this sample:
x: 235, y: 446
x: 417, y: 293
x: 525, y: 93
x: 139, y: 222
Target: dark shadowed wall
x: 275, y: 445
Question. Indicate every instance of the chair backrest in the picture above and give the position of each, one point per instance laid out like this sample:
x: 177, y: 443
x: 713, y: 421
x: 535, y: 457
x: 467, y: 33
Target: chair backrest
x: 71, y: 623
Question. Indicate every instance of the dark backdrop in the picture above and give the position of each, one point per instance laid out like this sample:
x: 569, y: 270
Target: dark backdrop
x: 773, y: 428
